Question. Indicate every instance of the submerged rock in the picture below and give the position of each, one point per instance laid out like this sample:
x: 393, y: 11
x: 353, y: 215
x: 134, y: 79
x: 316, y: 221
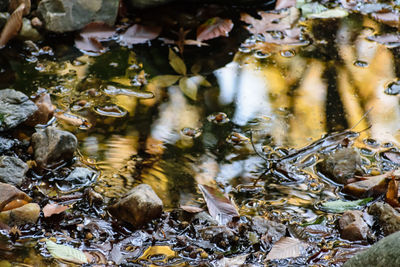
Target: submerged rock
x: 28, y: 213
x: 78, y: 178
x: 384, y: 253
x: 12, y: 170
x: 341, y: 165
x: 6, y: 144
x: 352, y: 226
x: 15, y: 108
x: 139, y: 206
x: 388, y: 217
x: 51, y: 146
x: 70, y: 15
x: 271, y: 231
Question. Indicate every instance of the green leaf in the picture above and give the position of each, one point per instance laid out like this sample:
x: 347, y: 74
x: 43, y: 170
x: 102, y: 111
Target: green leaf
x: 339, y: 206
x: 176, y: 62
x: 66, y: 253
x: 314, y: 10
x: 308, y: 9
x: 165, y: 80
x: 188, y: 87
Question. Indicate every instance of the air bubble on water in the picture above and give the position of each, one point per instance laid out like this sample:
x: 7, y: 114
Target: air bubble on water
x: 392, y: 88
x: 360, y: 63
x: 261, y: 55
x: 288, y: 53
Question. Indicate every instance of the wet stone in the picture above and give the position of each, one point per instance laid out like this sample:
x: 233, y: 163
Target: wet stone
x: 139, y: 206
x: 270, y: 230
x: 70, y: 15
x: 341, y: 165
x: 15, y: 108
x: 388, y: 217
x: 12, y: 170
x: 52, y: 145
x: 384, y: 253
x: 28, y: 213
x: 6, y: 144
x: 352, y: 226
x: 80, y: 176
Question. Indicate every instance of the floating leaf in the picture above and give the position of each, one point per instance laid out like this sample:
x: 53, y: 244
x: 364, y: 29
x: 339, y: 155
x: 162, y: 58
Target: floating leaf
x: 90, y: 38
x: 72, y: 119
x: 188, y: 87
x: 390, y: 40
x: 115, y: 89
x: 213, y: 28
x: 341, y: 206
x: 219, y: 206
x: 176, y: 62
x: 51, y: 209
x: 66, y: 253
x: 287, y: 247
x: 139, y: 34
x: 13, y: 25
x: 165, y: 80
x: 191, y: 209
x: 389, y: 18
x: 330, y: 13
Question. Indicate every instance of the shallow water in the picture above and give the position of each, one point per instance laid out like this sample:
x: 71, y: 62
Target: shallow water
x: 287, y: 99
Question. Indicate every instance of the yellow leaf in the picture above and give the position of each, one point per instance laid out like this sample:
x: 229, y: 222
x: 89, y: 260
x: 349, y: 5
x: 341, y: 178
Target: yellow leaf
x: 176, y: 62
x: 188, y: 87
x: 165, y: 80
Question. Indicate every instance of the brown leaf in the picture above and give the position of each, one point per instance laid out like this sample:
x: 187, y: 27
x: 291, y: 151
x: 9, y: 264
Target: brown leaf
x: 73, y: 120
x: 284, y: 4
x: 51, y: 209
x: 14, y: 4
x: 44, y: 112
x: 371, y: 186
x: 389, y: 40
x: 219, y: 206
x: 213, y: 28
x: 90, y: 38
x: 287, y: 247
x: 191, y: 209
x: 139, y: 34
x: 392, y: 193
x: 389, y: 18
x: 13, y: 25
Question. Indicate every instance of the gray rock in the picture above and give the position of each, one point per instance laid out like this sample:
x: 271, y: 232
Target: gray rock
x: 352, y: 226
x: 15, y: 108
x: 384, y: 253
x: 341, y: 165
x: 81, y: 176
x: 139, y: 206
x: 388, y: 217
x: 204, y: 218
x: 28, y: 213
x: 70, y: 15
x: 271, y: 231
x: 51, y: 146
x: 6, y: 144
x: 12, y: 170
x: 27, y: 32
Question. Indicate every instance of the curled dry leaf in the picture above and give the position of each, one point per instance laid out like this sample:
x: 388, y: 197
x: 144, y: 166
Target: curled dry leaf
x: 51, y: 209
x: 213, y: 28
x: 176, y: 63
x: 139, y: 34
x: 392, y: 193
x: 14, y: 4
x: 219, y: 206
x: 191, y: 209
x: 13, y: 25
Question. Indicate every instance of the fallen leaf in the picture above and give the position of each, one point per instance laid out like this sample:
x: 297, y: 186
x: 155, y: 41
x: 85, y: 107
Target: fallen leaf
x: 73, y: 120
x: 164, y: 80
x: 139, y: 34
x: 280, y: 4
x: 176, y: 63
x: 213, y: 28
x: 391, y: 156
x: 390, y: 40
x: 191, y: 209
x: 44, y: 112
x: 13, y: 25
x: 329, y: 14
x: 66, y: 253
x: 219, y: 206
x: 389, y: 18
x: 392, y: 193
x: 14, y: 4
x: 287, y: 247
x: 51, y: 209
x: 339, y: 206
x: 90, y: 38
x: 188, y: 87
